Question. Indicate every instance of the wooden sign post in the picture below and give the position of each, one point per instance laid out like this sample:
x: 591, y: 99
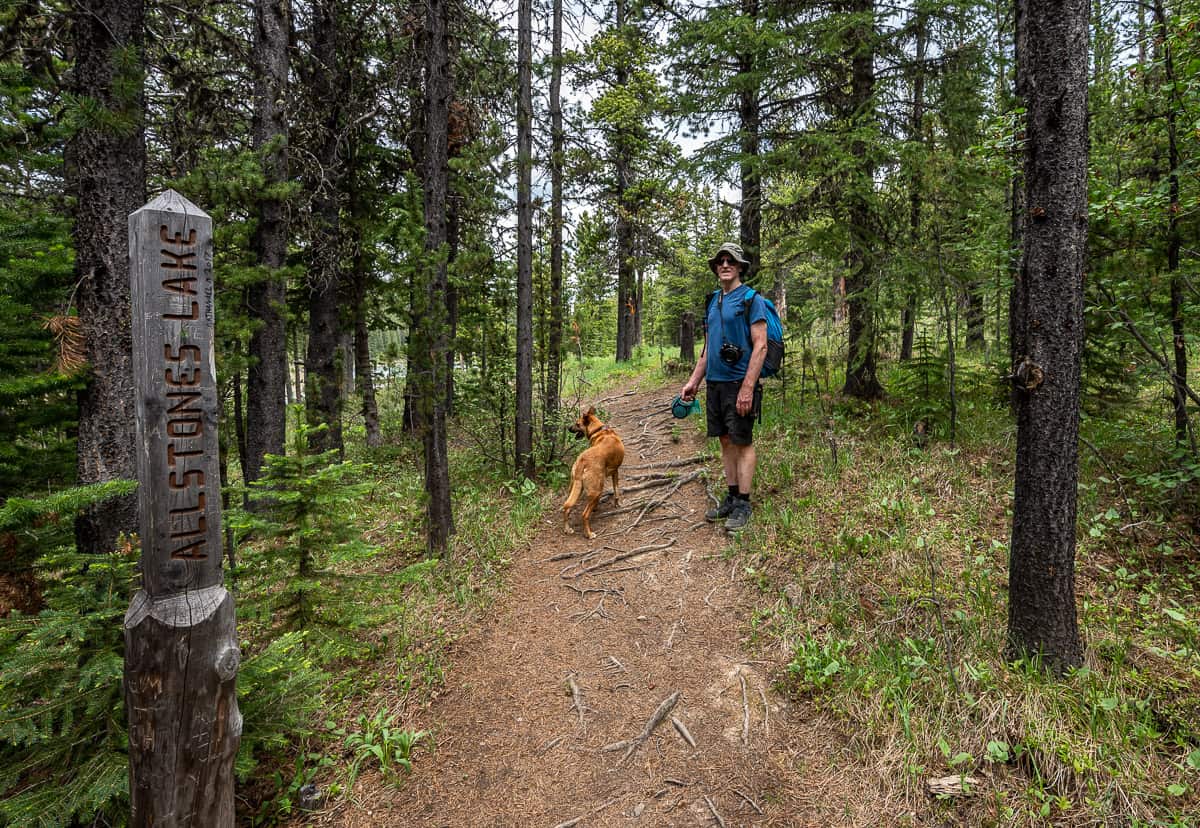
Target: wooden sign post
x: 181, y: 653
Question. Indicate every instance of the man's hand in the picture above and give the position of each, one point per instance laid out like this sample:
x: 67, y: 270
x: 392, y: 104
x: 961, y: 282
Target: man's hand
x: 745, y: 399
x: 689, y: 391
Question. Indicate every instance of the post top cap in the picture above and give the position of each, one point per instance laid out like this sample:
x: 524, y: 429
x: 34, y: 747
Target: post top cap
x: 169, y: 201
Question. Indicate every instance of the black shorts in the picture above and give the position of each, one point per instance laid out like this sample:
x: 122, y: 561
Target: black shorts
x: 722, y: 415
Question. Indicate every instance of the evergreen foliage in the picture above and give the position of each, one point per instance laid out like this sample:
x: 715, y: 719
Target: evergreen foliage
x: 63, y: 744
x: 304, y: 574
x: 38, y: 376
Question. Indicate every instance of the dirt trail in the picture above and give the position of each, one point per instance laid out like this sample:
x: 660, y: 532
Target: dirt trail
x: 582, y: 654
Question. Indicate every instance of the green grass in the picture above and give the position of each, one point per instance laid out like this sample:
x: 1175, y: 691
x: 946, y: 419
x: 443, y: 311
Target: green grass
x: 884, y: 575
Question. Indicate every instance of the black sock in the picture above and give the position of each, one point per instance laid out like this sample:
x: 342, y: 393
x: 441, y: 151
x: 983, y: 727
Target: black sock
x: 745, y: 497
x: 733, y: 492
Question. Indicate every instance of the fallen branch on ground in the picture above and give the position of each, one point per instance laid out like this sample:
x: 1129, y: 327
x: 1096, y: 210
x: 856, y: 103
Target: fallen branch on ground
x: 641, y: 550
x: 576, y: 697
x: 682, y: 730
x: 631, y: 745
x: 713, y: 808
x: 750, y: 802
x: 653, y: 503
x: 745, y: 711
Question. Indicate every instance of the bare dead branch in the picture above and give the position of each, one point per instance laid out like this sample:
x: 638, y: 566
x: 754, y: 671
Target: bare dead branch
x: 624, y: 556
x: 749, y: 802
x: 745, y: 711
x: 713, y: 808
x: 576, y: 697
x: 681, y: 728
x: 631, y: 745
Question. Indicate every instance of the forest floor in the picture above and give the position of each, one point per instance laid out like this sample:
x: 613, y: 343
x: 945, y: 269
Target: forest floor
x: 576, y: 700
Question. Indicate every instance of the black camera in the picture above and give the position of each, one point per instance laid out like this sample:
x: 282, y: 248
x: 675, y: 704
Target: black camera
x: 730, y: 354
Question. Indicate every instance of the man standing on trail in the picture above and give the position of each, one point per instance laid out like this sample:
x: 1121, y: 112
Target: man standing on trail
x: 735, y: 345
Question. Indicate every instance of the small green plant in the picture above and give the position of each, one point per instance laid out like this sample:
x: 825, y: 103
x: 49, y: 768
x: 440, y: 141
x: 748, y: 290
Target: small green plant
x: 378, y: 738
x: 816, y: 663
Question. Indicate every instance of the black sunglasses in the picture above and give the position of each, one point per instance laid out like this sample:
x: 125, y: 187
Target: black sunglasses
x: 725, y: 260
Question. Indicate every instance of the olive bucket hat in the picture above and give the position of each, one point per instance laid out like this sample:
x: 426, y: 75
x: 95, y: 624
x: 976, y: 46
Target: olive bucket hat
x: 734, y: 251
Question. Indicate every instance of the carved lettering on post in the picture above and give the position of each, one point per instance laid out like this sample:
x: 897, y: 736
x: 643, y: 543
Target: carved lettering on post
x: 181, y: 654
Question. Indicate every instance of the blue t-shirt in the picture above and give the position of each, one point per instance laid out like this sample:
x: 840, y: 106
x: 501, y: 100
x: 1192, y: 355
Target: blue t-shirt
x: 725, y: 319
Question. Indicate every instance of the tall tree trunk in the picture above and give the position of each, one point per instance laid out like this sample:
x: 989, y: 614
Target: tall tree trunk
x: 360, y: 276
x: 524, y: 413
x: 239, y: 418
x: 916, y: 133
x: 267, y: 375
x: 687, y: 339
x: 555, y: 344
x: 431, y: 327
x: 1178, y: 334
x: 749, y: 163
x: 1054, y: 55
x: 323, y: 366
x: 861, y: 379
x: 626, y: 298
x: 975, y: 315
x: 1016, y: 212
x: 453, y: 203
x: 106, y: 172
x: 411, y: 414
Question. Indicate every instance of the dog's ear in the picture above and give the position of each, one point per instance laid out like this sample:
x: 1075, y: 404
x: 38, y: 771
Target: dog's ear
x: 591, y: 412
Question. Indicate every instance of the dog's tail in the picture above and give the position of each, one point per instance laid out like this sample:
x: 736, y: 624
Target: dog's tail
x: 573, y: 497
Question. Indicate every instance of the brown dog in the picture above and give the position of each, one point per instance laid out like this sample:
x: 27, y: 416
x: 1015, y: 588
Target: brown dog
x: 596, y: 462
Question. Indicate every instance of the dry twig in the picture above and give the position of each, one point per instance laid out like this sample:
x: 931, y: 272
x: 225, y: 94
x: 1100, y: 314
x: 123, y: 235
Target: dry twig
x: 576, y: 697
x: 681, y: 728
x: 745, y: 711
x: 713, y: 808
x: 750, y: 802
x: 766, y: 714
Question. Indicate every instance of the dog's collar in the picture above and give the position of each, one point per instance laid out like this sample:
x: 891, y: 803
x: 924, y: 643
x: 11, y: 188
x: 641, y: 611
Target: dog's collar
x: 592, y: 434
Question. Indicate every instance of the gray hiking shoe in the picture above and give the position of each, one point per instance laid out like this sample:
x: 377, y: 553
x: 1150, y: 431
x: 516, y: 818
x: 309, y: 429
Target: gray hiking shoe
x: 739, y: 516
x: 722, y: 510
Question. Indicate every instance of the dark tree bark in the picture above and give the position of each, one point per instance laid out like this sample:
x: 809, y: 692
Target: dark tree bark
x: 554, y: 346
x: 908, y: 317
x: 431, y: 328
x: 1016, y: 210
x: 974, y: 316
x: 687, y: 339
x: 411, y: 414
x: 323, y: 367
x: 239, y: 418
x: 524, y: 408
x: 1053, y: 50
x: 106, y: 172
x: 360, y: 277
x: 861, y: 378
x: 267, y: 375
x: 1178, y: 332
x: 453, y: 203
x: 626, y: 287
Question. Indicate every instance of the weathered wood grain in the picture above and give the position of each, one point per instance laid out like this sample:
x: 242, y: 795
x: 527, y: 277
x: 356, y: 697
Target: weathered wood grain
x: 181, y: 654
